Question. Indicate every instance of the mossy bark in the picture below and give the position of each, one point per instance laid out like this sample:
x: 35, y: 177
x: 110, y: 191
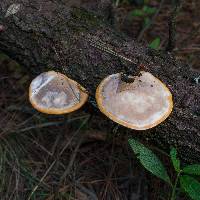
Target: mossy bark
x: 45, y: 35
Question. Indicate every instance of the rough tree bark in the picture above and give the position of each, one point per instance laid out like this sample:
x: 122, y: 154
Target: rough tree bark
x: 48, y: 34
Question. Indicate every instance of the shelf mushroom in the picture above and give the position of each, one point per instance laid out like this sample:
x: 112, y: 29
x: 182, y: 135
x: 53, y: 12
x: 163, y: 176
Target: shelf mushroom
x: 54, y: 93
x: 140, y: 105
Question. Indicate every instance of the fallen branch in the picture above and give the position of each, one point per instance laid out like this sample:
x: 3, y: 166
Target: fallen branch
x: 33, y: 30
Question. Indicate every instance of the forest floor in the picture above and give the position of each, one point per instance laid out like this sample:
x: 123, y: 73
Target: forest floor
x: 66, y: 157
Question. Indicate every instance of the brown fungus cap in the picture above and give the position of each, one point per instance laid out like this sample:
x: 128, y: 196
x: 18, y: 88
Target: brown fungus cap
x: 54, y: 93
x: 140, y: 105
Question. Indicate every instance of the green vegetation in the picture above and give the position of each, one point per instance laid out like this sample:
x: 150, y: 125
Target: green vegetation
x: 184, y: 175
x: 155, y: 43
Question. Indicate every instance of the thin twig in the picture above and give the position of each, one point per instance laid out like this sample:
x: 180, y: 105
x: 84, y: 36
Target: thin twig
x: 42, y: 179
x: 72, y: 159
x: 189, y: 49
x: 151, y: 22
x: 172, y: 26
x: 54, y: 162
x: 117, y: 3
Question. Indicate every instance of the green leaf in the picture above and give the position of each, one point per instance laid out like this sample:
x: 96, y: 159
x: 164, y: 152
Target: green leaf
x: 191, y: 187
x: 149, y: 10
x: 147, y: 22
x: 137, y: 12
x: 149, y: 160
x: 192, y: 169
x: 174, y: 159
x: 155, y: 43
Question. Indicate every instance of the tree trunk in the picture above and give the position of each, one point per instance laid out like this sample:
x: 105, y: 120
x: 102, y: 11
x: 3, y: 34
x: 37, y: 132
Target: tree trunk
x: 48, y: 34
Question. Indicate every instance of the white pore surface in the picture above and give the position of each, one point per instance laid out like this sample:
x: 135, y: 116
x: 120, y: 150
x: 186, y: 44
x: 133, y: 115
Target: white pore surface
x: 51, y: 90
x: 141, y: 103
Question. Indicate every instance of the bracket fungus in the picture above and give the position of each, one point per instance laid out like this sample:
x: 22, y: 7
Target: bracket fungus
x: 140, y: 105
x: 54, y: 93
